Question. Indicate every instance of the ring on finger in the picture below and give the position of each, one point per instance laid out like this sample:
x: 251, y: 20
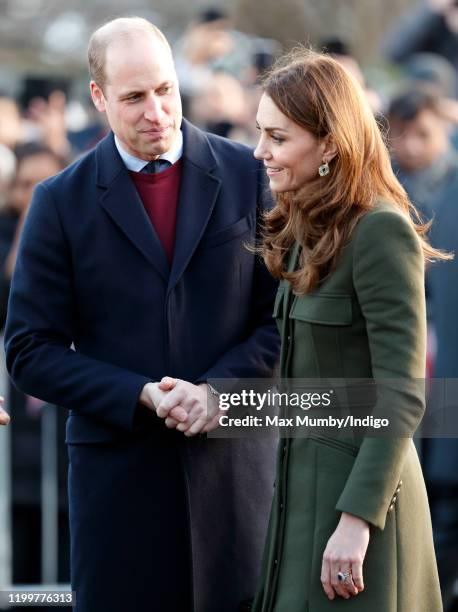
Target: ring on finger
x: 344, y: 577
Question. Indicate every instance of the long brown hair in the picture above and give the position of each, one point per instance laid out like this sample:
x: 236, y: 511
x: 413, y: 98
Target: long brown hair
x: 317, y: 93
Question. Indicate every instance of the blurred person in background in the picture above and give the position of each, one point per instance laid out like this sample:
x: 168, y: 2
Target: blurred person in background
x: 427, y: 166
x: 44, y: 102
x: 48, y: 115
x: 132, y: 266
x: 210, y: 44
x: 423, y: 158
x: 91, y: 129
x: 35, y: 162
x: 7, y: 171
x: 431, y: 27
x: 339, y: 50
x: 39, y: 118
x: 221, y: 105
x: 215, y: 66
x: 434, y: 72
x: 11, y: 128
x: 245, y: 131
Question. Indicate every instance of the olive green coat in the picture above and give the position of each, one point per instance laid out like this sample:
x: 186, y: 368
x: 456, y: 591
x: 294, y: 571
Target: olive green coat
x: 366, y: 320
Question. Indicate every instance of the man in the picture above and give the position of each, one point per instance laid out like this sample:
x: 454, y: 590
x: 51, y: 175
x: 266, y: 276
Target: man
x: 124, y: 277
x: 427, y: 166
x: 431, y: 27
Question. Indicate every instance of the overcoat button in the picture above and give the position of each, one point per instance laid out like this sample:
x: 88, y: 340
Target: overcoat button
x: 391, y: 507
x: 394, y: 499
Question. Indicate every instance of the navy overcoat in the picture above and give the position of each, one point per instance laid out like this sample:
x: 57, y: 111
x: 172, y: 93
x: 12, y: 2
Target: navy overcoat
x: 158, y: 521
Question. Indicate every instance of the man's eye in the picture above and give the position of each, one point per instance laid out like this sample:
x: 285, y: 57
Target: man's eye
x: 165, y: 90
x: 133, y: 98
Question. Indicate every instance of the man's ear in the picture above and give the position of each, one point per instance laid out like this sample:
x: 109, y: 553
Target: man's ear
x: 97, y: 97
x: 329, y: 148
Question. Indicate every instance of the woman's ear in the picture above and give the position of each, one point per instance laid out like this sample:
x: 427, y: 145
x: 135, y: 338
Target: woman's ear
x: 329, y: 148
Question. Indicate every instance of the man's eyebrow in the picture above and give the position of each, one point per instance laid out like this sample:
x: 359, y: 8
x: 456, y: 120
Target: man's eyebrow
x: 127, y: 94
x: 134, y: 92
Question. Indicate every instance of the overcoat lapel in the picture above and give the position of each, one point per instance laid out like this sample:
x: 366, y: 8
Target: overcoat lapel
x: 198, y: 192
x: 121, y: 201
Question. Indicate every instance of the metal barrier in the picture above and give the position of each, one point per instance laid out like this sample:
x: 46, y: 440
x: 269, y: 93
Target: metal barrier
x: 5, y: 491
x: 5, y: 509
x: 49, y: 502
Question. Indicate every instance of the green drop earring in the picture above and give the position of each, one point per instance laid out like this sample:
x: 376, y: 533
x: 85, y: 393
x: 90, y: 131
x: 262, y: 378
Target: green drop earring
x: 323, y: 170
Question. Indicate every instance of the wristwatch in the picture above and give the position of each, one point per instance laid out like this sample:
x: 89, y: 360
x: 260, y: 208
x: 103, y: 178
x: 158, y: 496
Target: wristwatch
x: 213, y: 391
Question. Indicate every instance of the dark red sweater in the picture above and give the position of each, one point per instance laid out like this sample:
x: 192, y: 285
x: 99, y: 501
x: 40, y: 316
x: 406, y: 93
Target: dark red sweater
x: 159, y: 194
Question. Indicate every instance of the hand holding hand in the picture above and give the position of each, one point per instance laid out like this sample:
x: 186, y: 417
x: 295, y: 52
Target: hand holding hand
x: 203, y: 416
x: 345, y: 552
x: 151, y: 397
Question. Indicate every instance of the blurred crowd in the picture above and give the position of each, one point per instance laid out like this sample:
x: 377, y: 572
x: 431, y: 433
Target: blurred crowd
x: 219, y: 70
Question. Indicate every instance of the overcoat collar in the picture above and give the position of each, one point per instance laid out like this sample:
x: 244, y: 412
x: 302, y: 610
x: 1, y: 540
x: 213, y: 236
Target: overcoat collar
x: 198, y: 192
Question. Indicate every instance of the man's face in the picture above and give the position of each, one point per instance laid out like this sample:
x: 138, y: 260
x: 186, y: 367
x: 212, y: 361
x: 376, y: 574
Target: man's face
x: 140, y: 97
x: 418, y: 143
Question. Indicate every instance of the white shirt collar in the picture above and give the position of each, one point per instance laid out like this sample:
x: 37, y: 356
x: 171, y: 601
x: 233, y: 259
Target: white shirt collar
x: 136, y: 164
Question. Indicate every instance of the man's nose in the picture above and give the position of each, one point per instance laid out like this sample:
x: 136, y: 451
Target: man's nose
x: 153, y: 109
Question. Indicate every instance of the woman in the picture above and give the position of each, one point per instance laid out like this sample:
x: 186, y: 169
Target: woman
x: 350, y: 526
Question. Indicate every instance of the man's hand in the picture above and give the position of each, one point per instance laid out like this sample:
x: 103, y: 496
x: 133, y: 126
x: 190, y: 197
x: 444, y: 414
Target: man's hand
x: 151, y: 397
x: 203, y: 416
x: 4, y: 417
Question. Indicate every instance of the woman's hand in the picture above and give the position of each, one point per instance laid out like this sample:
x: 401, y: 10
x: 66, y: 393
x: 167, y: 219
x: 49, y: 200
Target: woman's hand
x: 345, y: 552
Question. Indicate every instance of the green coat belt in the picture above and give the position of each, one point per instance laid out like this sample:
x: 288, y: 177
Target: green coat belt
x: 366, y: 320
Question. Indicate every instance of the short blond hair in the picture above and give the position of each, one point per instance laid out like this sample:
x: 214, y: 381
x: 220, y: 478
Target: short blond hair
x: 121, y: 28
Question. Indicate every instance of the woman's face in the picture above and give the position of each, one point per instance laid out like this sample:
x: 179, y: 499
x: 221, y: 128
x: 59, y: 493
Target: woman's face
x: 291, y: 154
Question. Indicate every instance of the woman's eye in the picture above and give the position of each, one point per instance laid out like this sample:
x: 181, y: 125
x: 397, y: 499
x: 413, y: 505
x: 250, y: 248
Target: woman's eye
x: 277, y: 139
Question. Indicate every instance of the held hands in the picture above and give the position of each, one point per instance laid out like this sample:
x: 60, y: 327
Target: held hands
x: 345, y: 552
x: 151, y: 396
x: 202, y: 415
